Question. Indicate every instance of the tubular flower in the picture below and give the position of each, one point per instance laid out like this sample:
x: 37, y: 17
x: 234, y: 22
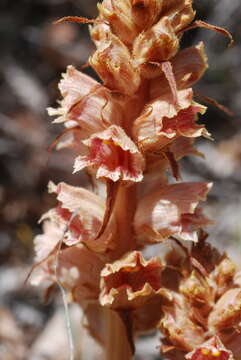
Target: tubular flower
x: 163, y: 213
x: 78, y: 271
x: 77, y: 219
x: 131, y: 281
x: 114, y: 155
x: 86, y: 103
x: 132, y: 129
x: 113, y: 63
x: 163, y: 120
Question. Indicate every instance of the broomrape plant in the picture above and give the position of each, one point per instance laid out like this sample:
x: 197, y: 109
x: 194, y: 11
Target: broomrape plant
x: 128, y: 132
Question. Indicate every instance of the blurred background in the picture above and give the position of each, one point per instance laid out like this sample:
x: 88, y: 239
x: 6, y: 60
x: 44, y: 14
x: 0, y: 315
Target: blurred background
x: 34, y: 53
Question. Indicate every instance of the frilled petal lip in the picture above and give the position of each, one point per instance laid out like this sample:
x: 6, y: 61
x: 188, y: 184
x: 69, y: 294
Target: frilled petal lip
x: 124, y: 295
x: 163, y: 120
x: 114, y: 155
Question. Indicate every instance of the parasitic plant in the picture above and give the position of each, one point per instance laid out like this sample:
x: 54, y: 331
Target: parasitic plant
x: 128, y: 132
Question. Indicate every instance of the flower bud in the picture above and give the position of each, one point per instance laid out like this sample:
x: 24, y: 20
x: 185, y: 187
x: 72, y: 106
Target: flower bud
x: 113, y: 63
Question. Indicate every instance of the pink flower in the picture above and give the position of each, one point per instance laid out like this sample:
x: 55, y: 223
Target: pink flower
x: 131, y: 282
x: 188, y: 67
x: 86, y: 104
x: 113, y: 155
x: 170, y: 211
x: 163, y: 120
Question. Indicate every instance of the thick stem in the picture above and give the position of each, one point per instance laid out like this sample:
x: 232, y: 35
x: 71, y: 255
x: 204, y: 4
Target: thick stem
x: 117, y: 344
x: 119, y: 330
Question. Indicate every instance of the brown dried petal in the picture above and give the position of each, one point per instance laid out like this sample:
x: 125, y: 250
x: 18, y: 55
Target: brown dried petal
x: 226, y: 313
x: 113, y: 63
x: 156, y: 44
x: 177, y: 326
x: 130, y: 282
x: 183, y: 16
x: 213, y: 349
x: 128, y: 18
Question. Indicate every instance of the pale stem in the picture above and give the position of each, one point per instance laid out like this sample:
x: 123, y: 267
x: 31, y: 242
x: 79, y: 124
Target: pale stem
x: 117, y: 344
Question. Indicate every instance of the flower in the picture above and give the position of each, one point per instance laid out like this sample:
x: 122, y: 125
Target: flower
x: 77, y: 219
x: 211, y: 350
x: 163, y: 120
x: 188, y: 67
x: 163, y: 213
x: 129, y: 17
x: 114, y: 156
x: 113, y: 63
x: 131, y: 281
x: 76, y: 268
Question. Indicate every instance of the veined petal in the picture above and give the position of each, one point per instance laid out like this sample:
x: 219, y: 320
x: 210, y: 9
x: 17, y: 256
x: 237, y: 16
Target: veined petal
x: 85, y: 103
x: 178, y: 327
x: 226, y: 313
x: 128, y: 18
x: 182, y: 16
x: 211, y: 350
x: 77, y: 219
x: 114, y: 155
x: 131, y: 281
x: 83, y: 212
x: 188, y: 67
x: 162, y: 121
x: 78, y: 272
x: 159, y: 214
x: 156, y: 44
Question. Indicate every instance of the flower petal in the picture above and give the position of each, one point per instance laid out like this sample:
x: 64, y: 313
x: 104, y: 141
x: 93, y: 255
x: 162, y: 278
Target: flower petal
x: 128, y: 18
x: 164, y: 120
x: 210, y: 350
x: 188, y: 66
x: 113, y: 63
x: 131, y: 281
x: 78, y: 272
x: 159, y: 214
x: 114, y: 156
x: 85, y: 103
